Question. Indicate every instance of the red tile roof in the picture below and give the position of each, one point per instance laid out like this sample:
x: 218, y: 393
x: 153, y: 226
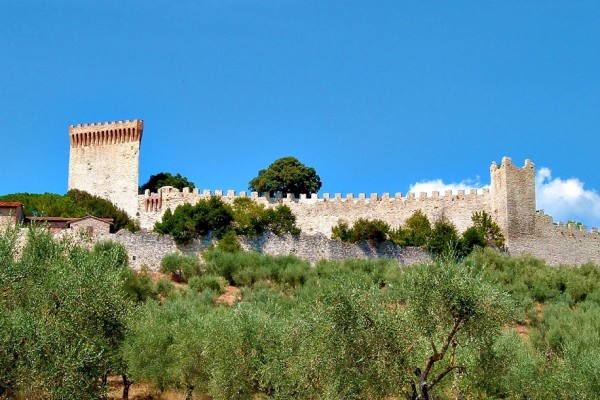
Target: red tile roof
x: 67, y: 219
x: 107, y: 220
x: 10, y: 204
x: 52, y: 219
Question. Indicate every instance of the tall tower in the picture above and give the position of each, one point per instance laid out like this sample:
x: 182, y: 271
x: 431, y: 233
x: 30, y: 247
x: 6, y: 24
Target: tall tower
x: 513, y: 198
x: 104, y: 161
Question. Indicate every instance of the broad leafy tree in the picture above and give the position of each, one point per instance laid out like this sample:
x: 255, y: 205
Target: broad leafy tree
x: 286, y: 175
x: 166, y: 179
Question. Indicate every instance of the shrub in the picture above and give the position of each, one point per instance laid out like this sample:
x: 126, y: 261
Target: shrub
x: 246, y: 217
x: 250, y: 218
x: 164, y: 287
x: 342, y: 231
x: 484, y: 233
x: 212, y: 215
x: 471, y: 238
x: 188, y: 222
x: 415, y: 232
x: 491, y: 231
x: 213, y: 282
x: 181, y: 267
x: 138, y: 287
x: 444, y: 238
x: 178, y: 224
x: 227, y: 265
x: 115, y: 251
x: 295, y: 275
x: 373, y: 231
x: 248, y: 275
x: 229, y: 243
x: 281, y: 220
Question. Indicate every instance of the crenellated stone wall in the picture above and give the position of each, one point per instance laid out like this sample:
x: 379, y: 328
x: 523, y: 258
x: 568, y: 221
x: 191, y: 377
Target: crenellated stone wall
x: 319, y: 214
x: 558, y: 243
x: 104, y: 161
x: 510, y: 200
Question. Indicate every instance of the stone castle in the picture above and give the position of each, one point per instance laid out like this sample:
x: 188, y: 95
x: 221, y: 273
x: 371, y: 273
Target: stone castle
x: 104, y: 161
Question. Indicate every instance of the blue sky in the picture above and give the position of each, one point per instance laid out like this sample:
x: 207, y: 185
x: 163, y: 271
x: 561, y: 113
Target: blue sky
x: 378, y: 96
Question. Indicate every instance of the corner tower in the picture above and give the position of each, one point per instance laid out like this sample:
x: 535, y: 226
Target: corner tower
x: 104, y: 161
x: 513, y: 198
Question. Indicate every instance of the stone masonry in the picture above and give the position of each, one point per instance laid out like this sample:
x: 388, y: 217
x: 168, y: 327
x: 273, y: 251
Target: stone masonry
x: 104, y: 162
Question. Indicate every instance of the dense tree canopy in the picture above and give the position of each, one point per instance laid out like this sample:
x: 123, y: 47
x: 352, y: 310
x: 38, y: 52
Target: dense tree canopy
x: 75, y: 204
x: 286, y: 175
x: 102, y: 208
x: 246, y: 217
x: 166, y: 179
x: 46, y: 204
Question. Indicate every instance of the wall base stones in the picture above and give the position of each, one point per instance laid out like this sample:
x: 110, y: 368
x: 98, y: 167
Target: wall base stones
x: 314, y: 248
x: 555, y: 245
x: 146, y: 248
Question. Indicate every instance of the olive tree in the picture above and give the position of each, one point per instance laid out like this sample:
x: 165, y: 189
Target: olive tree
x: 452, y: 312
x: 63, y: 310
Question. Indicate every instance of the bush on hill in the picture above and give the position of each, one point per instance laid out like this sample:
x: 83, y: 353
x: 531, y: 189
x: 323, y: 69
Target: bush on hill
x: 442, y: 238
x: 213, y: 215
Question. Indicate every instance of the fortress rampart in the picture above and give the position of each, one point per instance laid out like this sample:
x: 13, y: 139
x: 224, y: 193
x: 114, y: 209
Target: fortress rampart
x: 318, y: 214
x: 104, y: 161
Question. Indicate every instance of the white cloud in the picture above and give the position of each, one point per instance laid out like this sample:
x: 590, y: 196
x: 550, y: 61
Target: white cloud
x: 564, y: 200
x: 440, y: 186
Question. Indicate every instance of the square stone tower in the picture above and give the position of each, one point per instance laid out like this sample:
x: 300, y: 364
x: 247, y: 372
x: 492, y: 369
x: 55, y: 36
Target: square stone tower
x: 104, y: 161
x: 513, y: 198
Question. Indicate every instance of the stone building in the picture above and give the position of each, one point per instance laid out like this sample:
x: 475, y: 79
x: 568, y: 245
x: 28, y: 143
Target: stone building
x: 11, y: 212
x: 89, y: 224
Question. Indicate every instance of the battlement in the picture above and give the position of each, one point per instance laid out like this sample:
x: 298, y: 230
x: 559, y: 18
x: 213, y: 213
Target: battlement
x: 155, y: 201
x: 106, y: 133
x: 508, y: 164
x: 568, y: 227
